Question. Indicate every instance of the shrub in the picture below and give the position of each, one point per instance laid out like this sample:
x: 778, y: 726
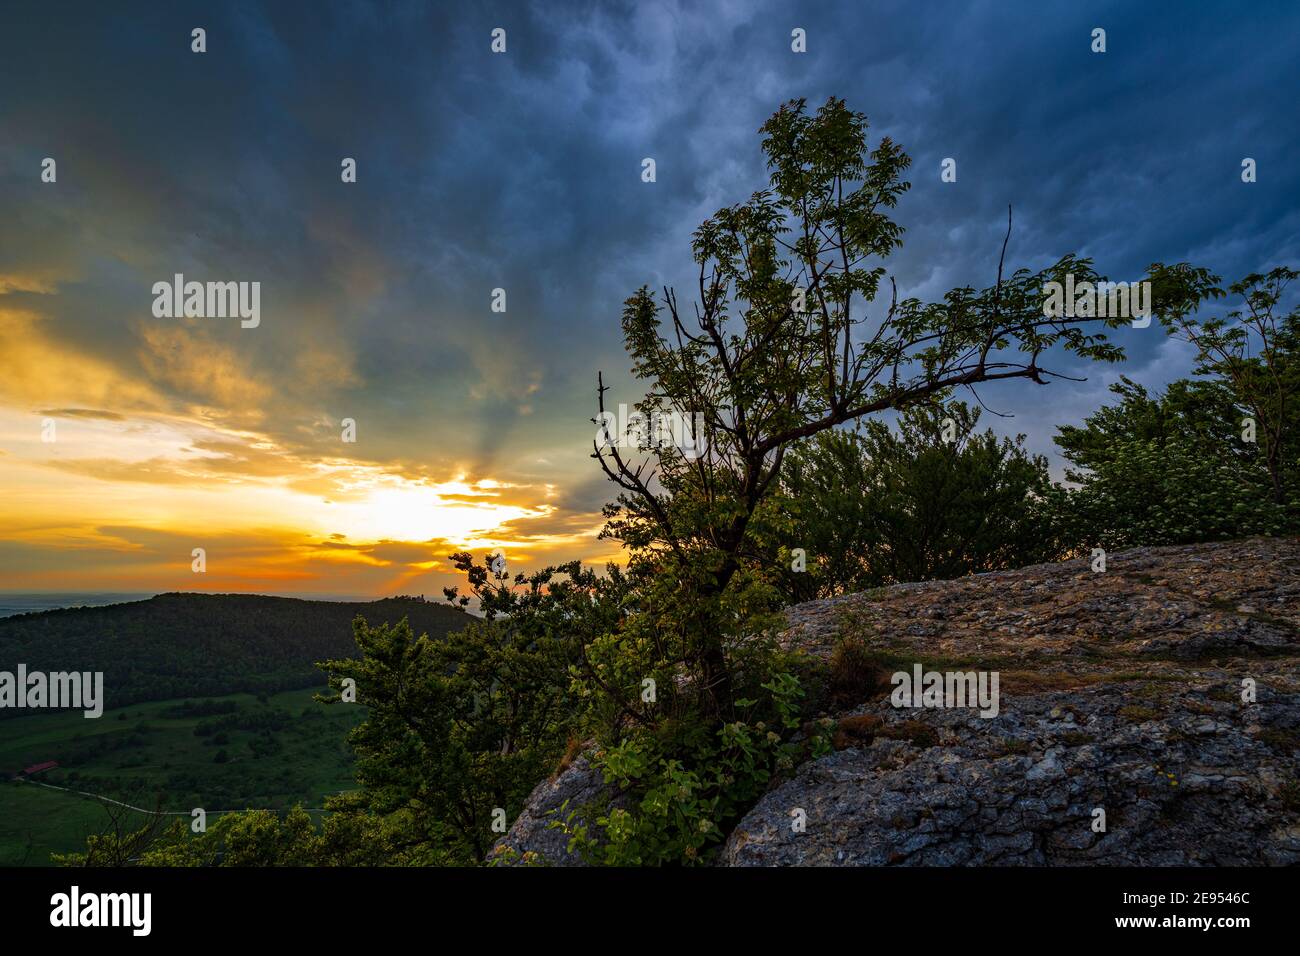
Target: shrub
x: 856, y: 674
x: 684, y: 790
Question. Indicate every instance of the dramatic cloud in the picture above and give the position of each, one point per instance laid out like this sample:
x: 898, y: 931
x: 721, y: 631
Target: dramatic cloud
x: 521, y: 171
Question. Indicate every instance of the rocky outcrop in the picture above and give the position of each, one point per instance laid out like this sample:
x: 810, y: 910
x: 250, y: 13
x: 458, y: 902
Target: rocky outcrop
x: 1147, y: 714
x: 532, y: 839
x: 1194, y: 783
x: 1121, y: 693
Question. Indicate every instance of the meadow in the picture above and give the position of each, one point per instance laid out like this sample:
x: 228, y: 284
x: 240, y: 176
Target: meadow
x: 234, y: 752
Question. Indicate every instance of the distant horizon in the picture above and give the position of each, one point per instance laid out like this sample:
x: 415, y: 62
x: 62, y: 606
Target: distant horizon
x: 304, y: 595
x: 14, y: 603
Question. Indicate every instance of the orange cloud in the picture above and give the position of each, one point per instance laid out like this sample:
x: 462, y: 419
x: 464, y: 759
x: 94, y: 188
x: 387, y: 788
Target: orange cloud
x: 37, y: 369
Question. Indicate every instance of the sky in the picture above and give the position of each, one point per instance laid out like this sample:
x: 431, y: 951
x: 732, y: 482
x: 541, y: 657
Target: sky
x: 521, y: 171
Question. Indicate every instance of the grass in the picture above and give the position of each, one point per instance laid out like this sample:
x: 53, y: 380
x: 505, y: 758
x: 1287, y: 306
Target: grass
x: 857, y: 674
x: 861, y: 730
x: 1138, y: 714
x: 283, y: 750
x: 35, y: 822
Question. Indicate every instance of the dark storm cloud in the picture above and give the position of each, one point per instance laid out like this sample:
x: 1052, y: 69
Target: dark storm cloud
x: 523, y: 171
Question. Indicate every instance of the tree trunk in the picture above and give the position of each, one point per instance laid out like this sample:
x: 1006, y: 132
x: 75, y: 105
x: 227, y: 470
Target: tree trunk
x: 1275, y: 471
x: 713, y: 659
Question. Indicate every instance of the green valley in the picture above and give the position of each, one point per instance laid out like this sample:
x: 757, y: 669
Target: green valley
x: 226, y: 753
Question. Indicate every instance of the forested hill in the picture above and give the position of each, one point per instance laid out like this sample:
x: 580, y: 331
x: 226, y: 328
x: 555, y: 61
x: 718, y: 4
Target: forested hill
x: 184, y: 645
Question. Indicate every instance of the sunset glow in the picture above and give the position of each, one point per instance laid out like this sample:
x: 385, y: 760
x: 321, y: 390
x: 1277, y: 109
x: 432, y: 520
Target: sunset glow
x: 129, y: 497
x: 458, y: 296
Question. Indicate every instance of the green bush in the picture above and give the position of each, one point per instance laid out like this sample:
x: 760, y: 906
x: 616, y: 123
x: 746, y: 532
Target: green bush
x: 683, y: 791
x: 931, y: 498
x: 1167, y: 469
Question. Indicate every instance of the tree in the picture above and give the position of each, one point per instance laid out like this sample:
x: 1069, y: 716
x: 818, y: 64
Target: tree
x: 462, y: 727
x: 250, y: 838
x: 933, y: 499
x: 825, y: 498
x: 118, y: 844
x: 781, y: 349
x: 1252, y: 349
x: 693, y: 713
x: 1164, y: 469
x: 1201, y: 414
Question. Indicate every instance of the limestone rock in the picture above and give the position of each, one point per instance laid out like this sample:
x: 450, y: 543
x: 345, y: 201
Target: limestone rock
x: 531, y: 839
x: 1120, y: 691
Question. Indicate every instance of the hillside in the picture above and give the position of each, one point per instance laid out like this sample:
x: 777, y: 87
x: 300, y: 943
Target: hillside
x: 183, y: 645
x: 219, y: 753
x: 1120, y: 691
